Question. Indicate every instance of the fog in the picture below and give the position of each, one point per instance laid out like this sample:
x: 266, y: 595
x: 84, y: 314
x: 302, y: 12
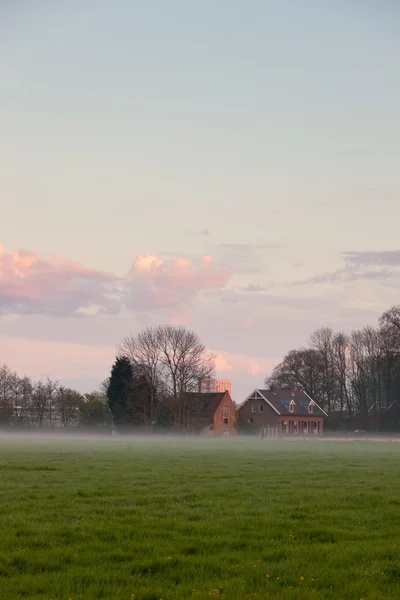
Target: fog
x: 79, y: 440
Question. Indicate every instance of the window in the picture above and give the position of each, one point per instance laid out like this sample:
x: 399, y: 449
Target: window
x: 295, y: 427
x: 311, y: 407
x: 261, y: 407
x: 285, y: 426
x: 226, y: 411
x: 253, y: 408
x: 315, y: 427
x: 305, y: 427
x: 225, y: 421
x: 291, y: 406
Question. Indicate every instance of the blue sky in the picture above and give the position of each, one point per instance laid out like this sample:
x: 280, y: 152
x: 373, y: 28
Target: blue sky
x: 262, y: 134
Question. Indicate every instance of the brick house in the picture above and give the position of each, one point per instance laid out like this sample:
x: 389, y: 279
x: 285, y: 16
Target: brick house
x: 290, y: 411
x: 212, y: 414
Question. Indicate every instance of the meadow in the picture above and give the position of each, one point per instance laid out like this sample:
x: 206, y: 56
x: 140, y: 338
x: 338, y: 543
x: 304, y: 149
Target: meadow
x: 126, y: 519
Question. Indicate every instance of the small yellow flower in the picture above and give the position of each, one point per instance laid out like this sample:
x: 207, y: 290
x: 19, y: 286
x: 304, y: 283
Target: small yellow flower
x: 302, y: 578
x: 168, y: 558
x: 278, y: 577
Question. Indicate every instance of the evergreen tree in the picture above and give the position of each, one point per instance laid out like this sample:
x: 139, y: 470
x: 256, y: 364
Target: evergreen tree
x: 119, y: 392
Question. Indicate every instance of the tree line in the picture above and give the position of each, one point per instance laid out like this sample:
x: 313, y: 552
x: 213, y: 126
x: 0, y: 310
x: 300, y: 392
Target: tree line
x: 352, y: 374
x: 147, y: 388
x: 26, y: 403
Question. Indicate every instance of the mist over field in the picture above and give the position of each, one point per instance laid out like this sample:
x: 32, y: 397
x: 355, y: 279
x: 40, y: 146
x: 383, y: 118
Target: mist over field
x: 146, y: 518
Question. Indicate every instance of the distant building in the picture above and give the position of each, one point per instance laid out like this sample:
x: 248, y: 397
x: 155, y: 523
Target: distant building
x: 210, y: 413
x: 290, y: 412
x: 210, y: 385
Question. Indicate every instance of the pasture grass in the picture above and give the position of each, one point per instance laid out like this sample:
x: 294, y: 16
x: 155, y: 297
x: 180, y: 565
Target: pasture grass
x: 150, y: 520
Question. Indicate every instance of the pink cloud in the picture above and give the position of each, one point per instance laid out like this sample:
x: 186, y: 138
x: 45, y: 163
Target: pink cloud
x: 155, y: 283
x: 32, y: 285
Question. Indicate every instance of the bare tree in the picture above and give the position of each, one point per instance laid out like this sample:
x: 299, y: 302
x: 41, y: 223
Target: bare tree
x: 22, y: 404
x: 185, y: 361
x: 171, y: 360
x: 8, y: 381
x: 391, y: 317
x: 341, y: 382
x: 68, y: 403
x: 43, y: 402
x: 300, y: 369
x: 143, y: 351
x: 390, y: 353
x: 322, y: 342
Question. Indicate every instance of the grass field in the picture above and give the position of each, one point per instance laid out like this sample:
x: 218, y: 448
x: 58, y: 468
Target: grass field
x: 123, y: 519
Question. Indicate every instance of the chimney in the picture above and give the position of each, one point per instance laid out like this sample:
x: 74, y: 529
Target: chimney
x: 292, y: 391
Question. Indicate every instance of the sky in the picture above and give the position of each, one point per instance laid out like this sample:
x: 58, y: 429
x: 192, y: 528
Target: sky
x: 229, y: 166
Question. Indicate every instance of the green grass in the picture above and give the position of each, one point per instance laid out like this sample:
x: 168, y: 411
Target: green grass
x: 93, y: 519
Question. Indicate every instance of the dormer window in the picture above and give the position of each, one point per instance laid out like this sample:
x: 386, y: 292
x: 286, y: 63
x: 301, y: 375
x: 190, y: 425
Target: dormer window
x: 291, y: 406
x: 311, y: 407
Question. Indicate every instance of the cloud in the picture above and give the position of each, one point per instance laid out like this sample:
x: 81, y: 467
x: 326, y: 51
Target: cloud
x: 155, y: 283
x: 390, y: 258
x: 360, y: 265
x: 32, y: 285
x: 57, y: 287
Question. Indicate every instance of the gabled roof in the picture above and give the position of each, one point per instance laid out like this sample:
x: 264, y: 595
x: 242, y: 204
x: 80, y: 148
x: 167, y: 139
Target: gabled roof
x: 280, y: 399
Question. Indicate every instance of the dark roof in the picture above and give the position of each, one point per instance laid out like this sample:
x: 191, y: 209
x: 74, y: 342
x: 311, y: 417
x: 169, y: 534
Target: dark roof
x: 202, y: 406
x: 280, y: 399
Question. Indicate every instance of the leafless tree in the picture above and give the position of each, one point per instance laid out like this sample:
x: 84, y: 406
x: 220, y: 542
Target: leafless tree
x: 185, y: 361
x: 171, y: 360
x: 43, y: 402
x: 341, y: 390
x: 322, y: 341
x: 144, y: 353
x: 8, y: 386
x: 68, y: 404
x: 390, y: 352
x: 22, y: 404
x: 391, y: 317
x: 300, y: 369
